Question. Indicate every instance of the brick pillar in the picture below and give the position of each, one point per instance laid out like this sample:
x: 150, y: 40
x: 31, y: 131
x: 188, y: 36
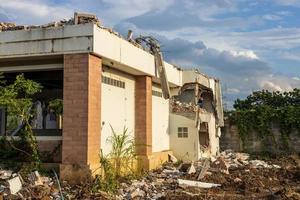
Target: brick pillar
x: 82, y: 120
x: 143, y: 118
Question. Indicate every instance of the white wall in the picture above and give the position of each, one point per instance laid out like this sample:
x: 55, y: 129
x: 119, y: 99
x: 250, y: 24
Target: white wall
x: 213, y: 139
x: 213, y: 135
x: 119, y: 50
x: 117, y: 107
x: 184, y: 148
x: 160, y: 122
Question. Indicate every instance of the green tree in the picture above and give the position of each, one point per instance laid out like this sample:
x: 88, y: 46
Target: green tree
x: 17, y: 99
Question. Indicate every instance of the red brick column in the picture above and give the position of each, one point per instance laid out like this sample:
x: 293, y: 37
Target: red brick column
x: 143, y: 117
x: 82, y: 120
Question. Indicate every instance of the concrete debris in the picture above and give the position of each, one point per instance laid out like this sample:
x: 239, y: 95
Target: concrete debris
x: 5, y: 174
x: 237, y: 180
x: 244, y: 179
x: 204, y: 169
x: 229, y: 171
x: 35, y: 178
x: 83, y: 18
x: 230, y: 160
x: 172, y: 158
x: 192, y: 169
x: 15, y: 185
x: 197, y: 184
x: 262, y: 164
x: 79, y: 18
x: 178, y: 106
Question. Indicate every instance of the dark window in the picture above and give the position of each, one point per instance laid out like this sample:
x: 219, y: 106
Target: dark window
x: 156, y: 93
x: 182, y: 132
x: 113, y: 82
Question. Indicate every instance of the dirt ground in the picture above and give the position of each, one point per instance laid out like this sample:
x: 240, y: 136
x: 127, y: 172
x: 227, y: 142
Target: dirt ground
x: 249, y: 183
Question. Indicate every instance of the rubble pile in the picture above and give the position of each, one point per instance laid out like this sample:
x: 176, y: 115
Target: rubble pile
x: 9, y: 26
x: 231, y: 160
x: 82, y: 19
x: 35, y: 186
x: 228, y: 176
x: 154, y: 185
x: 13, y: 186
x: 178, y: 106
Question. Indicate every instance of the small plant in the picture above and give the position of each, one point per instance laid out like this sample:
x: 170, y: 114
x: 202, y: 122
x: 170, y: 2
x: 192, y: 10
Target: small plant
x: 122, y: 154
x: 118, y: 164
x: 108, y: 181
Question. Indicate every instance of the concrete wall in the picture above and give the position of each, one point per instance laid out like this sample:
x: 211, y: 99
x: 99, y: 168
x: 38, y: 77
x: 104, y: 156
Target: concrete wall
x: 160, y: 122
x: 55, y: 40
x: 118, y: 107
x: 184, y: 148
x: 189, y: 76
x: 230, y: 139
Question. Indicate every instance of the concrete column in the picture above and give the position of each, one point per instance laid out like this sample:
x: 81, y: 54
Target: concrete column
x: 143, y: 118
x: 82, y: 120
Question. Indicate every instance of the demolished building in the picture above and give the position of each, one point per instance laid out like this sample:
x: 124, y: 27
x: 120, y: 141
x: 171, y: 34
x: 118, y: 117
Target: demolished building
x: 107, y: 81
x: 197, y: 115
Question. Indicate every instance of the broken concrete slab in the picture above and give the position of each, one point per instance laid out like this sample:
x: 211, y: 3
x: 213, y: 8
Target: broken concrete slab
x: 192, y: 169
x: 204, y: 169
x: 197, y: 183
x: 172, y: 158
x: 15, y: 185
x: 35, y: 178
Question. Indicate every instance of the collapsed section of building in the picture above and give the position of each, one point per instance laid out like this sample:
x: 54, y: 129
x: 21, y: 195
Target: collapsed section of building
x: 197, y: 114
x: 107, y: 81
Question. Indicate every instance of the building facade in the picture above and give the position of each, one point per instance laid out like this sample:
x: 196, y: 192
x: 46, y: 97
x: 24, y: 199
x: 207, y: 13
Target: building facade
x: 105, y: 81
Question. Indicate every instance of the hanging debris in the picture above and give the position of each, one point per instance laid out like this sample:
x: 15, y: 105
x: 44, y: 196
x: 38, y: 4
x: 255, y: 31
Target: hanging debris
x: 154, y: 48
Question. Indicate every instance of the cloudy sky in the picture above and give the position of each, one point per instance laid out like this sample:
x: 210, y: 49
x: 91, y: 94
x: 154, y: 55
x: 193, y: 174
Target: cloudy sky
x: 248, y: 44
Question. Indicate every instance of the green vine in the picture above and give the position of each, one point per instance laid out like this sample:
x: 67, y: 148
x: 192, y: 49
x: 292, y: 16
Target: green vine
x: 263, y: 108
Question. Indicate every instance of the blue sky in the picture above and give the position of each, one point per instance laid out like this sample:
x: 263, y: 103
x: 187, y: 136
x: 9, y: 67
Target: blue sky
x: 248, y: 44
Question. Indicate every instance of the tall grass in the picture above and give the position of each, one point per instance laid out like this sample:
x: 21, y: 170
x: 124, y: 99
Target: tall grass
x: 122, y: 155
x: 119, y: 164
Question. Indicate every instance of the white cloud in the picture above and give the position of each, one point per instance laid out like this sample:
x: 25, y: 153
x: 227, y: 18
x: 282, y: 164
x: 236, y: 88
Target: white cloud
x: 284, y: 13
x: 247, y: 54
x: 268, y: 85
x: 116, y: 11
x: 43, y: 11
x: 291, y: 56
x: 272, y: 17
x: 232, y: 91
x: 34, y: 11
x: 278, y: 82
x: 288, y: 2
x: 296, y: 78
